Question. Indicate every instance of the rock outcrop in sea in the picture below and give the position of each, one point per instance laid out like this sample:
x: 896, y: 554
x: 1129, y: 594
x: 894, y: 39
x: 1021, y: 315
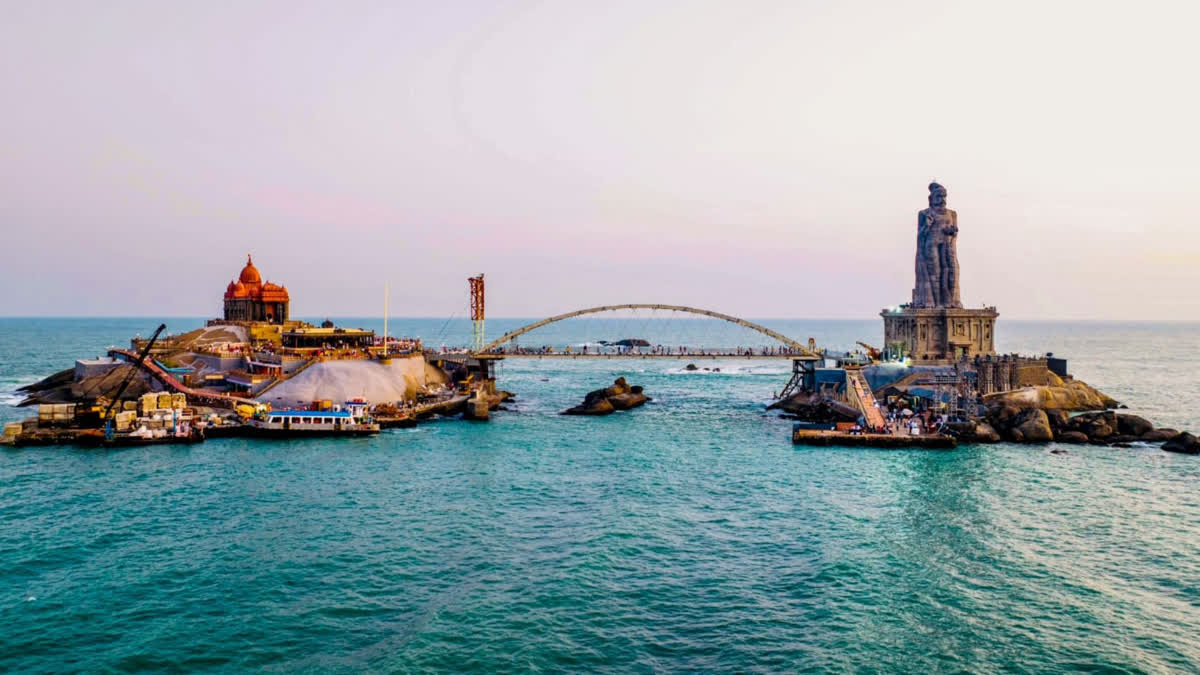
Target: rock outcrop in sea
x: 619, y: 396
x: 1184, y: 443
x: 61, y: 387
x: 813, y: 407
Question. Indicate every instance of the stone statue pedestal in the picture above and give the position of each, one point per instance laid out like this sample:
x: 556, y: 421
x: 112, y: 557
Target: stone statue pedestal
x: 939, y: 334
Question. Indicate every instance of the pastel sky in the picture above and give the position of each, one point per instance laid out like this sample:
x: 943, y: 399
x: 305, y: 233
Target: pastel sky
x: 761, y: 158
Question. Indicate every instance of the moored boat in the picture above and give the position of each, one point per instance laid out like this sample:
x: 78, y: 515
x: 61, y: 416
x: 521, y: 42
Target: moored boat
x: 350, y: 419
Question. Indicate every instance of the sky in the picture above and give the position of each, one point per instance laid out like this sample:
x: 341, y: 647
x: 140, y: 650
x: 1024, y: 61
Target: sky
x: 759, y: 158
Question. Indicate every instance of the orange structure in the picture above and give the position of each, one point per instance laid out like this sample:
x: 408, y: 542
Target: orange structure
x: 477, y: 309
x: 249, y: 298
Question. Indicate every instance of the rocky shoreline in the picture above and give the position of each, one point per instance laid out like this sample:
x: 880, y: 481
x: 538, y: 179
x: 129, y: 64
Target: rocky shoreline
x: 1070, y: 412
x: 1008, y: 424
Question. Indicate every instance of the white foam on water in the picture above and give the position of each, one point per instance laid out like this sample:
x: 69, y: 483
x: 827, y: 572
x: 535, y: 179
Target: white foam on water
x: 730, y: 369
x: 8, y: 389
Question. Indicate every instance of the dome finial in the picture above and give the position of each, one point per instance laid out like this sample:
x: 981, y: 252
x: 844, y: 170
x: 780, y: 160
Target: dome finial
x: 250, y: 273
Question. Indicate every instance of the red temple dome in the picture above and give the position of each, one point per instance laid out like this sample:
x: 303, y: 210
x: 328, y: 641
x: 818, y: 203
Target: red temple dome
x: 250, y: 273
x: 236, y: 289
x: 274, y: 293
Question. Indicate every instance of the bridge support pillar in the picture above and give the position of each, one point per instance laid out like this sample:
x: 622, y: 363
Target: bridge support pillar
x: 804, y: 378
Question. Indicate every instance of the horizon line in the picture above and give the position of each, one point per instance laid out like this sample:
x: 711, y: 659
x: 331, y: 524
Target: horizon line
x: 536, y: 318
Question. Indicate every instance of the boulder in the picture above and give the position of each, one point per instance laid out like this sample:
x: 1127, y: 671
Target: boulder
x: 1122, y: 439
x: 1098, y: 425
x: 628, y: 401
x: 1032, y: 426
x: 1184, y: 443
x: 618, y: 387
x: 972, y: 431
x: 1072, y: 396
x: 984, y: 433
x: 1072, y: 437
x: 1157, y: 436
x: 690, y: 366
x: 596, y: 408
x: 1007, y: 413
x: 1002, y: 419
x: 1058, y: 418
x: 1132, y: 425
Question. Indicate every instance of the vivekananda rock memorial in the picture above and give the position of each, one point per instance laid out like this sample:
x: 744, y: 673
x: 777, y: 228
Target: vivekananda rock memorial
x: 249, y: 298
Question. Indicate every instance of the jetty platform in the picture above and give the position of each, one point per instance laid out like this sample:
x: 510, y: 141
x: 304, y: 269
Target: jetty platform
x: 866, y: 440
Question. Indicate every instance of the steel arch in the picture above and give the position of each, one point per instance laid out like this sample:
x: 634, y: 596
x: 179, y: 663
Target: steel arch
x: 801, y: 350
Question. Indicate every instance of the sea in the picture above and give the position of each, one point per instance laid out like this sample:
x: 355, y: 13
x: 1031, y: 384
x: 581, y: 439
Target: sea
x: 687, y: 535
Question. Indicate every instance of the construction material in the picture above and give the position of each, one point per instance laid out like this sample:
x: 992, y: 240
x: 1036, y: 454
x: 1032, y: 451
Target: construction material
x: 148, y: 404
x: 56, y: 413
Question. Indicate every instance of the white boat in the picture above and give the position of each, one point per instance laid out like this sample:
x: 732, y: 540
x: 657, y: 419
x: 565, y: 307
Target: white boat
x: 351, y: 419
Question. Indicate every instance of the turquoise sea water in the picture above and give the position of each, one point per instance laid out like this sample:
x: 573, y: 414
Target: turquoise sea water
x: 686, y: 535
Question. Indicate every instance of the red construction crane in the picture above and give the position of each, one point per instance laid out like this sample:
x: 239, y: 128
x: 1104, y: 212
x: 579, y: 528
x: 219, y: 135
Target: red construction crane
x: 477, y: 312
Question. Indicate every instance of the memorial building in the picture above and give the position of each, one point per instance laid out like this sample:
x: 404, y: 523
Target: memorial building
x: 249, y: 298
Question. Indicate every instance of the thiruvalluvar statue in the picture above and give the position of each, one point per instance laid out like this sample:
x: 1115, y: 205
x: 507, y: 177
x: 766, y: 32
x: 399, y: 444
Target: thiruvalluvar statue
x: 937, y: 254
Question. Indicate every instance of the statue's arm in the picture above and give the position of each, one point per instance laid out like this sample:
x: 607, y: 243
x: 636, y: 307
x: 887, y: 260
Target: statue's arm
x: 952, y: 229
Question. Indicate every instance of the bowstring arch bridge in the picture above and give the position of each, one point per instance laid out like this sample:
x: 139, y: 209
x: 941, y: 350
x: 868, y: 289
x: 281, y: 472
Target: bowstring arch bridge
x: 793, y: 349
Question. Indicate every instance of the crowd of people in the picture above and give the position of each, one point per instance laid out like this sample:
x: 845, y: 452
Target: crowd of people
x: 901, y: 420
x: 649, y: 350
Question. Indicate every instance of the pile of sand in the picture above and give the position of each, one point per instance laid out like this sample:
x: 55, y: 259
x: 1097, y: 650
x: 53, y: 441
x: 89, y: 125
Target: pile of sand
x: 342, y: 380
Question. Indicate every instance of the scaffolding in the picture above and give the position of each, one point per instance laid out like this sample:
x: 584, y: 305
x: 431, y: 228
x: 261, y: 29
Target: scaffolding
x: 477, y: 313
x: 951, y: 389
x: 804, y: 378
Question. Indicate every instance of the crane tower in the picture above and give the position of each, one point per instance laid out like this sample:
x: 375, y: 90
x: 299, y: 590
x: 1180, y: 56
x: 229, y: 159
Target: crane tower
x: 477, y: 314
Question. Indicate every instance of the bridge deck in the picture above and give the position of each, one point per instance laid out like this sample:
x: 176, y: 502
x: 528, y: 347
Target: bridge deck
x: 677, y: 357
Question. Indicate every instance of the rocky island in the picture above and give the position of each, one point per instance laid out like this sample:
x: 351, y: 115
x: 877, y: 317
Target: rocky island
x: 619, y: 396
x: 939, y: 373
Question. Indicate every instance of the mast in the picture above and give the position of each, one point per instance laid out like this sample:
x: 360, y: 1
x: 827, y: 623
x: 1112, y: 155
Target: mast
x: 385, y: 313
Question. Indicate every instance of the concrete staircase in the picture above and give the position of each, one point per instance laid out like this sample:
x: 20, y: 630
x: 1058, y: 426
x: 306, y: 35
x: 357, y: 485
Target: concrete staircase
x: 860, y: 396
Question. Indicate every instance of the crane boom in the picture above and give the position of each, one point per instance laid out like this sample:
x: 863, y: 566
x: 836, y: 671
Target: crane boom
x: 873, y: 352
x: 137, y: 365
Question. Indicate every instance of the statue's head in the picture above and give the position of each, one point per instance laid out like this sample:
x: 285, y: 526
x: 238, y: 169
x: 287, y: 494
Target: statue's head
x: 937, y: 195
